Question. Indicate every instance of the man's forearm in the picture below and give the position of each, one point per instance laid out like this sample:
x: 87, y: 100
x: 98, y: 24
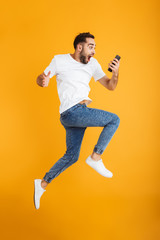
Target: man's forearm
x: 113, y: 81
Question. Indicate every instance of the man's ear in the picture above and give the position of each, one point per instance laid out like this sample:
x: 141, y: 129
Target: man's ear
x: 79, y: 47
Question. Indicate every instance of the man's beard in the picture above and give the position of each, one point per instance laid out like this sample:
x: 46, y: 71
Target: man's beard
x: 83, y: 58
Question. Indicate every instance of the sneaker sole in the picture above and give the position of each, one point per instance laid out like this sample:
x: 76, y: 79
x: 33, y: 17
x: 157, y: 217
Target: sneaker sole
x: 87, y: 161
x: 34, y: 194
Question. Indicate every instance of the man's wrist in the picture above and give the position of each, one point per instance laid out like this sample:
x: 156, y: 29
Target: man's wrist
x: 115, y: 74
x: 114, y: 80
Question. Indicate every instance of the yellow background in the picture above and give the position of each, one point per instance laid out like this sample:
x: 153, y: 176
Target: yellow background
x: 80, y: 203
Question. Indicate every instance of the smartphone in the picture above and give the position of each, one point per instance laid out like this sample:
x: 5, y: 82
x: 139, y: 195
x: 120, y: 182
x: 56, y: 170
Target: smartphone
x: 118, y: 57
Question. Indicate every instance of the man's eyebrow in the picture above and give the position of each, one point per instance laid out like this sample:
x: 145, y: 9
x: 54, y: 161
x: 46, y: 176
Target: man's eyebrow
x: 91, y: 44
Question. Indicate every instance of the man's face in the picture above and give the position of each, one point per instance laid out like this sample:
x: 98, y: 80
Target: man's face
x: 88, y: 50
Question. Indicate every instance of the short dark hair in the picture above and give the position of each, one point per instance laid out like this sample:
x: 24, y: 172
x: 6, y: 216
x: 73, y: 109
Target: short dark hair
x: 82, y: 38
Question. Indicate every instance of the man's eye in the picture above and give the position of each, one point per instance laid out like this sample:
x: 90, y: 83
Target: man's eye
x: 92, y: 48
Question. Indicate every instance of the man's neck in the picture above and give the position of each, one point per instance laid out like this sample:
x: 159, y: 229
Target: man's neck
x: 75, y: 57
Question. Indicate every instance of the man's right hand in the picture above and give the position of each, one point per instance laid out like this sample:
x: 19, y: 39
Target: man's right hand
x: 43, y: 80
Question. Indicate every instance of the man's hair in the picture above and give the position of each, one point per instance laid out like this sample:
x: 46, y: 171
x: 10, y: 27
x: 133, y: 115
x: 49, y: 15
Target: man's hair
x: 82, y: 38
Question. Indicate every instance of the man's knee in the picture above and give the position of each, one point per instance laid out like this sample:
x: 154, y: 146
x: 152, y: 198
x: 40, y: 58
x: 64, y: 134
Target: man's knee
x: 116, y: 120
x: 76, y: 157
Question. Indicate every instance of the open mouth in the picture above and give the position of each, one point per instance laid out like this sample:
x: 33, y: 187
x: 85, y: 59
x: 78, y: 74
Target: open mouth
x: 89, y: 57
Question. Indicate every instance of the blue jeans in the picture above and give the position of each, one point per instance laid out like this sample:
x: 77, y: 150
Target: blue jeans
x: 75, y: 120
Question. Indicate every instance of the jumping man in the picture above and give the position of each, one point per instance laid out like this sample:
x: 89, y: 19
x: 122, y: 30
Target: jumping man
x: 73, y: 74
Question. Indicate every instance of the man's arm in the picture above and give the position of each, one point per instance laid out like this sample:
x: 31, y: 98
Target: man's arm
x: 111, y: 84
x: 108, y: 83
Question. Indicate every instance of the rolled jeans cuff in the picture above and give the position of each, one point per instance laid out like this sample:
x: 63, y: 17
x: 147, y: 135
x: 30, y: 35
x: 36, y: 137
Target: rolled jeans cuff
x: 97, y: 150
x: 47, y: 179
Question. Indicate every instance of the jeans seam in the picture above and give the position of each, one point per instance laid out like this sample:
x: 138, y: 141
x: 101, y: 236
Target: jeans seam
x: 60, y: 170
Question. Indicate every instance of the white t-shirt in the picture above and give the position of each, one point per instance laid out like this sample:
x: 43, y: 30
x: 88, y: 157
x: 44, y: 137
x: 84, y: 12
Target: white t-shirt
x: 73, y: 78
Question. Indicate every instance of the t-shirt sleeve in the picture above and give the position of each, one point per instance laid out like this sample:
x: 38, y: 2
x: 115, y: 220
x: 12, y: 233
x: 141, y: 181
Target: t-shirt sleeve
x: 98, y: 72
x: 51, y: 67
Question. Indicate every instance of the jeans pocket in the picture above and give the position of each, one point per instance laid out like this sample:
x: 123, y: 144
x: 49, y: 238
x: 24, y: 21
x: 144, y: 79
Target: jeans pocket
x: 70, y: 110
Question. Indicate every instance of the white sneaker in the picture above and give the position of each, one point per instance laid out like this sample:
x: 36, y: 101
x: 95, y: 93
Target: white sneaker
x: 38, y: 191
x: 99, y: 167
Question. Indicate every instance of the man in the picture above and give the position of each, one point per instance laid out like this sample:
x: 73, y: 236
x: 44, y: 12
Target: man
x: 73, y: 74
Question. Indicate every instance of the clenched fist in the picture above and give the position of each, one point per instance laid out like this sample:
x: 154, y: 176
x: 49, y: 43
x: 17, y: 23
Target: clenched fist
x: 43, y: 80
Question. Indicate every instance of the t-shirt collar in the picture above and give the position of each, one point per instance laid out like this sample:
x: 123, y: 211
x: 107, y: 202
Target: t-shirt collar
x: 76, y: 60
